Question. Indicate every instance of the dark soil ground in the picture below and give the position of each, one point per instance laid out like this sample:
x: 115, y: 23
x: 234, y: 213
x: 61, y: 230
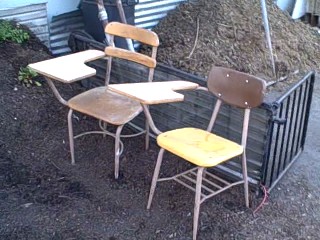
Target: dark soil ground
x: 42, y: 196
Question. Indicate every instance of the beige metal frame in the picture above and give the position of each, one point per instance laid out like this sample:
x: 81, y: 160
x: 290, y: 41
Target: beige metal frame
x: 236, y: 89
x: 229, y: 86
x: 203, y: 180
x: 196, y: 176
x: 117, y: 136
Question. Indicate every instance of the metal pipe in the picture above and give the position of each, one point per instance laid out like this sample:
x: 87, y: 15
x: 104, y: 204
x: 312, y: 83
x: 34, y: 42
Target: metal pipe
x: 279, y: 127
x: 150, y: 120
x: 103, y: 17
x: 268, y: 35
x: 214, y: 115
x: 56, y: 92
x: 303, y: 113
x: 284, y: 140
x: 102, y: 13
x: 310, y: 93
x: 298, y: 117
x: 124, y: 20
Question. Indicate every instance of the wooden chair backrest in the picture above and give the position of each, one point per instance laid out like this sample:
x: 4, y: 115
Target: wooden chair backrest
x: 135, y: 33
x: 236, y: 88
x: 132, y: 56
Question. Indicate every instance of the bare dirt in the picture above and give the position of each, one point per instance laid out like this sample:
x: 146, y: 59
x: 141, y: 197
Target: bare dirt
x: 42, y: 196
x: 230, y: 33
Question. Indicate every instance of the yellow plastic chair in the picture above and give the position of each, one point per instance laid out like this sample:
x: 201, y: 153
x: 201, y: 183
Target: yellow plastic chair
x: 110, y: 107
x: 205, y: 149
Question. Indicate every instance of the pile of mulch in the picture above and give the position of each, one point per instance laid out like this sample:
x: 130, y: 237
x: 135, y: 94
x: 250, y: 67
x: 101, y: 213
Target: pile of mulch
x: 230, y: 33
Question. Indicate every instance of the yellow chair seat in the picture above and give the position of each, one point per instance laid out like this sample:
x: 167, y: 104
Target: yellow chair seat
x: 106, y: 105
x: 199, y: 147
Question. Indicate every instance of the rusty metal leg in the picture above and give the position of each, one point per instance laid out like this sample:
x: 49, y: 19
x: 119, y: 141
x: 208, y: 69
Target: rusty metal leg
x: 155, y: 177
x: 147, y: 135
x: 71, y: 140
x: 117, y: 152
x: 104, y: 126
x: 204, y: 173
x: 244, y: 158
x: 197, y: 202
x: 147, y: 127
x: 245, y: 179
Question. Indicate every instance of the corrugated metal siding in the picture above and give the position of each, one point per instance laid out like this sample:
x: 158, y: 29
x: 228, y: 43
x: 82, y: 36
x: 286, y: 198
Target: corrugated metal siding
x: 34, y: 16
x: 149, y: 12
x: 313, y: 7
x: 60, y: 29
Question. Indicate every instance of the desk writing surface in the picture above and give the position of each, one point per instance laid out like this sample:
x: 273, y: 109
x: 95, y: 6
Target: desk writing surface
x: 154, y: 92
x: 69, y: 68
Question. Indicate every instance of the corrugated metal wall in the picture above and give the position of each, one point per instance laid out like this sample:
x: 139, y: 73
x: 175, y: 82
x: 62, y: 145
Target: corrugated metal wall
x: 149, y: 12
x: 313, y: 13
x: 60, y: 29
x: 34, y: 16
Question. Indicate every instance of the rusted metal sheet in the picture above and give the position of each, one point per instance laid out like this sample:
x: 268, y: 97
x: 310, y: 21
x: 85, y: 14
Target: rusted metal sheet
x: 34, y: 16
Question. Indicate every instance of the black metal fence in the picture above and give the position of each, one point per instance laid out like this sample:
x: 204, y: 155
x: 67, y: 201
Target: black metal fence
x: 288, y: 128
x: 277, y: 128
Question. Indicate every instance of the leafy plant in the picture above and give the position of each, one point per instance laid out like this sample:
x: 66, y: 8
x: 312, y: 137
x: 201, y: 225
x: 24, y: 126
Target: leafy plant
x: 26, y: 76
x: 10, y: 32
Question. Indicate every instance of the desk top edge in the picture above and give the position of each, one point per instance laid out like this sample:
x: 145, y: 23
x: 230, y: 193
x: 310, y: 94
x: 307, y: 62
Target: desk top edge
x: 47, y: 69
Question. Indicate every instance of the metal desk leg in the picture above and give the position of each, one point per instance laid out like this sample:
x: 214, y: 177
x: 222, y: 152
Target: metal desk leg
x: 56, y: 92
x: 150, y: 120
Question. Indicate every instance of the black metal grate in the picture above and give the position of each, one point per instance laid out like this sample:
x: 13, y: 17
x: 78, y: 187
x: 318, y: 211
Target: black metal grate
x: 288, y: 128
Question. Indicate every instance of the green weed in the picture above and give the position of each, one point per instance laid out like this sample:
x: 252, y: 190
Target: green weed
x: 26, y: 76
x: 9, y: 32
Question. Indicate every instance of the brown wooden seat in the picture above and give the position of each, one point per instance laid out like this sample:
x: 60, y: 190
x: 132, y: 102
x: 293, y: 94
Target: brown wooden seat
x: 106, y: 105
x: 110, y: 107
x: 205, y: 149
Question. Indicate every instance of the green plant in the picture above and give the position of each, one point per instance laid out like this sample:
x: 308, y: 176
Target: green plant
x: 10, y: 32
x: 26, y: 76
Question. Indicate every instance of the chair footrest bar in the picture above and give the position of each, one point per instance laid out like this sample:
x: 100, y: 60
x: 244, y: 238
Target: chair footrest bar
x: 87, y: 133
x: 101, y: 132
x: 221, y: 190
x: 211, y: 183
x: 122, y: 135
x: 188, y: 186
x: 175, y: 176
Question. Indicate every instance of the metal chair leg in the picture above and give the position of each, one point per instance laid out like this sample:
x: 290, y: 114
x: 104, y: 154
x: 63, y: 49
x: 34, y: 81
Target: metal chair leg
x: 104, y: 126
x: 204, y: 173
x: 71, y: 139
x: 147, y: 140
x: 155, y: 177
x: 197, y: 202
x: 245, y: 179
x: 117, y: 152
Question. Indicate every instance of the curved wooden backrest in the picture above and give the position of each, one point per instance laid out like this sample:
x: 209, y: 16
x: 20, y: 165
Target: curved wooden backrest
x: 132, y: 56
x: 236, y: 88
x: 133, y: 32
